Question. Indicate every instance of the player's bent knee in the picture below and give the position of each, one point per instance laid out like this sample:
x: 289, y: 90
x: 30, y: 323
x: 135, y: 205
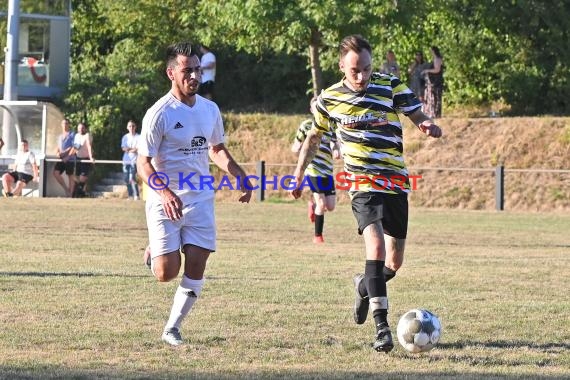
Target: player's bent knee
x: 163, y: 273
x: 163, y: 276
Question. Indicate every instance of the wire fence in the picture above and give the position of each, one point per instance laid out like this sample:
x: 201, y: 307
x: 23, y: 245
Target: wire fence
x: 477, y: 188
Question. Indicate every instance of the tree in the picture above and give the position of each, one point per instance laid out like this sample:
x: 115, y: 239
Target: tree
x: 306, y: 27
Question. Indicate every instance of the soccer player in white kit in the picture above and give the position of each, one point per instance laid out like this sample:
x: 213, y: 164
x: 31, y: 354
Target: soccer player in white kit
x: 179, y: 132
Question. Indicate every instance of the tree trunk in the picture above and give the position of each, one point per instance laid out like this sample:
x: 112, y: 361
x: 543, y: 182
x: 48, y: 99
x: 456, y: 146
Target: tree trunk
x: 316, y: 70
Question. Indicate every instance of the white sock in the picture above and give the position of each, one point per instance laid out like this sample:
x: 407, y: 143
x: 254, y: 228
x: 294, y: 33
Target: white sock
x: 184, y: 298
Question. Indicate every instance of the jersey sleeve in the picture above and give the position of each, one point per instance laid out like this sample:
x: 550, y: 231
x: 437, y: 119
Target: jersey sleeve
x: 321, y: 116
x: 153, y: 128
x: 218, y: 131
x: 405, y: 101
x: 303, y: 129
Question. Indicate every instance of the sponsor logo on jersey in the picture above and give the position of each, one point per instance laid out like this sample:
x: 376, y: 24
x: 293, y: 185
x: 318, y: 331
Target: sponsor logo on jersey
x: 366, y: 120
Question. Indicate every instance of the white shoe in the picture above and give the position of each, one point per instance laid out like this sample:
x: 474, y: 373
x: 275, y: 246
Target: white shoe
x: 172, y: 336
x: 136, y: 198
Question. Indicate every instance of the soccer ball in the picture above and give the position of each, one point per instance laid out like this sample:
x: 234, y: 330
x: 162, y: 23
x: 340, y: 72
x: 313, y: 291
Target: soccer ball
x: 418, y: 330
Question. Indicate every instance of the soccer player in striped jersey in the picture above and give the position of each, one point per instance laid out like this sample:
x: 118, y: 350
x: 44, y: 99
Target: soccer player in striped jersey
x: 319, y: 173
x: 363, y: 109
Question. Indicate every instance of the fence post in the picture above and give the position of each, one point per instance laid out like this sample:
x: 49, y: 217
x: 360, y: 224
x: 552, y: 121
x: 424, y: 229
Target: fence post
x: 43, y: 180
x: 500, y: 188
x: 261, y: 184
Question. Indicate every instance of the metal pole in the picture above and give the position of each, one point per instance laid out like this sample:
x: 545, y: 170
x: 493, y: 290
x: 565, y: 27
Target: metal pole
x: 500, y: 187
x: 261, y: 183
x: 11, y: 69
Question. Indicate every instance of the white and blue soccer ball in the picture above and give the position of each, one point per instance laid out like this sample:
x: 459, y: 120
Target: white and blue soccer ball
x: 418, y: 330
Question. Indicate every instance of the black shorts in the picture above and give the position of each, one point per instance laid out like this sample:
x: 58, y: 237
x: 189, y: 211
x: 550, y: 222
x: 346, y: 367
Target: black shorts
x: 82, y: 168
x: 67, y: 167
x: 322, y: 185
x: 23, y: 177
x: 206, y: 88
x: 391, y: 209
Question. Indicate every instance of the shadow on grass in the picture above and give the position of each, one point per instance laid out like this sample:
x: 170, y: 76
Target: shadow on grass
x: 506, y: 344
x: 65, y: 373
x: 69, y: 274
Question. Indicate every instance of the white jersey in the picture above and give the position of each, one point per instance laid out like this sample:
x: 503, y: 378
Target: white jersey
x: 208, y: 74
x: 130, y: 141
x: 177, y: 137
x: 24, y: 162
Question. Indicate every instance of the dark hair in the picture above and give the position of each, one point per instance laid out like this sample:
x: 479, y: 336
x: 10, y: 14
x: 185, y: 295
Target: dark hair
x: 421, y: 56
x: 24, y: 141
x: 355, y: 43
x: 181, y: 48
x: 435, y: 50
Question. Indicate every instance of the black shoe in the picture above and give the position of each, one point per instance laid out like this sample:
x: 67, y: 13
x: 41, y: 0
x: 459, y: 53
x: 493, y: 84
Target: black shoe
x: 361, y: 304
x: 384, y: 341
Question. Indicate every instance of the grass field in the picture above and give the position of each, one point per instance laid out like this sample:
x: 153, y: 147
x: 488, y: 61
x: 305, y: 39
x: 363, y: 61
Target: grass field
x: 77, y: 302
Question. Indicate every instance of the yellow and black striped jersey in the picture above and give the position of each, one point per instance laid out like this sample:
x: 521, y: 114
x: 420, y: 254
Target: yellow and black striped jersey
x: 369, y: 131
x: 322, y: 164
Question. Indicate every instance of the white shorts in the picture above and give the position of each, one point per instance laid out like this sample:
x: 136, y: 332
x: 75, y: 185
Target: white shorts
x: 197, y: 227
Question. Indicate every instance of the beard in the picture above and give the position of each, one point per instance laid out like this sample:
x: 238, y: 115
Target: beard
x: 188, y: 88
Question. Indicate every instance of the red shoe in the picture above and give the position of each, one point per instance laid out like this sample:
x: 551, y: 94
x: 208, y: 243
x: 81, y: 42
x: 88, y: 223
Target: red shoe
x: 318, y: 239
x: 311, y: 210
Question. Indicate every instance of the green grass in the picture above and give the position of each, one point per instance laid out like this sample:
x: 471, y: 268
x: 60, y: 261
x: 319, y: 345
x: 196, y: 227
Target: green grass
x: 77, y: 302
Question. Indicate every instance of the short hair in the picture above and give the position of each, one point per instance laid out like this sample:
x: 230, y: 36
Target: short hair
x: 355, y: 43
x: 181, y: 48
x: 24, y: 141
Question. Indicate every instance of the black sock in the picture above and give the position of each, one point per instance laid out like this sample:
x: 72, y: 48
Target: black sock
x: 319, y: 224
x: 376, y: 287
x: 388, y: 273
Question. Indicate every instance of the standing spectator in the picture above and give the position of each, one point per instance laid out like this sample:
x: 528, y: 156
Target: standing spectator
x: 179, y: 132
x: 67, y: 160
x: 371, y: 139
x: 83, y: 149
x: 390, y: 66
x: 434, y: 84
x: 129, y: 144
x: 320, y: 174
x: 208, y: 66
x: 25, y: 170
x: 417, y: 81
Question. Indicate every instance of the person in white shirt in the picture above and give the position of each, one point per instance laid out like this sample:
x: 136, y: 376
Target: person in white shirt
x: 179, y: 132
x: 25, y: 170
x: 129, y: 144
x: 208, y: 66
x: 83, y: 150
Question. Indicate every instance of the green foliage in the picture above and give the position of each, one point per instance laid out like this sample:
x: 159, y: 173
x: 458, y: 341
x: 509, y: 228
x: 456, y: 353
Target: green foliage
x: 513, y: 53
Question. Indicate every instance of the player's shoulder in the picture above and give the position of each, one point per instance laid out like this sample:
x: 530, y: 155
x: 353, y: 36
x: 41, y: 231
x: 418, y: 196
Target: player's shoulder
x: 331, y: 90
x: 210, y: 104
x: 381, y: 78
x: 156, y: 111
